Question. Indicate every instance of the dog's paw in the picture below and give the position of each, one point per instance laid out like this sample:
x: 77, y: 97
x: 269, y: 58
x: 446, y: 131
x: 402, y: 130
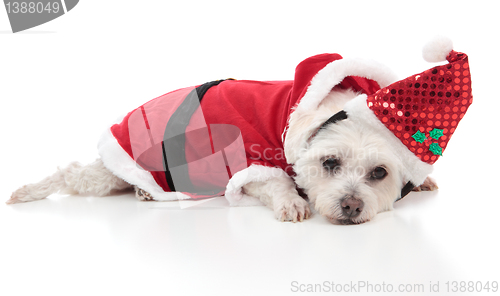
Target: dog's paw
x: 428, y: 185
x: 142, y: 195
x: 296, y: 209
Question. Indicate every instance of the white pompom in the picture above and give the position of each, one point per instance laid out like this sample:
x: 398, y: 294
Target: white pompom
x: 437, y: 49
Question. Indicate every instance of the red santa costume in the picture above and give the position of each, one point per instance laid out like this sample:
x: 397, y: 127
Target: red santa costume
x: 212, y: 139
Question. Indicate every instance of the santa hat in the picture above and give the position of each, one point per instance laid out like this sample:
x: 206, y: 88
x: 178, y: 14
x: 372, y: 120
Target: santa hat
x: 419, y: 114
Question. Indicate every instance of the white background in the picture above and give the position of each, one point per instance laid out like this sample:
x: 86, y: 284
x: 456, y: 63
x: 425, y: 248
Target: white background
x: 63, y: 82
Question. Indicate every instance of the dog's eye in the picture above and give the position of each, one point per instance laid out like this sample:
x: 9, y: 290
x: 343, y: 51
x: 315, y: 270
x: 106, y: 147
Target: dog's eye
x: 378, y: 173
x: 331, y: 164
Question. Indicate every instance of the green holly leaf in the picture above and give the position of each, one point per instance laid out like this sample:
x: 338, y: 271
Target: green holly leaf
x: 436, y: 133
x: 419, y: 137
x: 436, y: 149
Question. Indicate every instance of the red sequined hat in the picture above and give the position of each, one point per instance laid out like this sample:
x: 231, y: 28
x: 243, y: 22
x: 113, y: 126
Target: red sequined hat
x: 422, y: 111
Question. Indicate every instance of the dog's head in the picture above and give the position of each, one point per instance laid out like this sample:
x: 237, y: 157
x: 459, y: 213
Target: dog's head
x: 389, y: 138
x: 348, y: 173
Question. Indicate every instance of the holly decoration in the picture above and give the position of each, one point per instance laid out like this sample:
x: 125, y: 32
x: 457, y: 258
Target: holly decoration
x: 435, y: 134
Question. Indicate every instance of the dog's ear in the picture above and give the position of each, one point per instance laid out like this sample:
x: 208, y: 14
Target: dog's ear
x: 302, y: 126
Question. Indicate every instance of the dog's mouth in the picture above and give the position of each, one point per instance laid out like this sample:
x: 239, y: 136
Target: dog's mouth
x: 345, y: 221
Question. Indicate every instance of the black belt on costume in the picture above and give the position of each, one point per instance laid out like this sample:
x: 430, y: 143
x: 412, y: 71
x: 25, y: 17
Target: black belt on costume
x: 174, y: 141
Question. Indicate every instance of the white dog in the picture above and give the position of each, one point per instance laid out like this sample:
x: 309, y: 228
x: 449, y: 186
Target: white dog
x: 353, y: 150
x: 348, y: 174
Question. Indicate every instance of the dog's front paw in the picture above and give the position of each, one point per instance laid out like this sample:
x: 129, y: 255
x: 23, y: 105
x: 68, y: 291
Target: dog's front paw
x: 428, y: 185
x: 296, y: 209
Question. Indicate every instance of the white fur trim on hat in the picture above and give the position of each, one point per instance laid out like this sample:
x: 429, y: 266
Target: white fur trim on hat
x: 413, y: 168
x: 333, y: 74
x: 437, y: 49
x: 254, y: 173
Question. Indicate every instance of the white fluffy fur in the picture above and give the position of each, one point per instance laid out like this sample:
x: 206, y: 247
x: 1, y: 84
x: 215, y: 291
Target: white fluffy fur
x: 304, y: 122
x: 359, y: 153
x: 280, y: 195
x: 254, y: 173
x: 437, y: 49
x: 90, y: 179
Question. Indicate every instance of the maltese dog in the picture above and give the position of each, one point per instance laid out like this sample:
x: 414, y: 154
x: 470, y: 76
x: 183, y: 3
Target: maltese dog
x: 345, y: 138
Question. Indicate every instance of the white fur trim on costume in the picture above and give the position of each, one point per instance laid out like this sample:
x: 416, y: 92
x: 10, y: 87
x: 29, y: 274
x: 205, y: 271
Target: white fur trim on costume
x: 123, y: 166
x: 254, y: 173
x: 414, y: 169
x: 437, y: 49
x: 333, y: 74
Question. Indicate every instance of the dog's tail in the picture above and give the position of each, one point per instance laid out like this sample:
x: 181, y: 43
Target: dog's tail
x: 74, y: 179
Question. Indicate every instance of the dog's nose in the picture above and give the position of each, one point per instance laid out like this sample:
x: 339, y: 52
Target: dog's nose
x: 352, y: 207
